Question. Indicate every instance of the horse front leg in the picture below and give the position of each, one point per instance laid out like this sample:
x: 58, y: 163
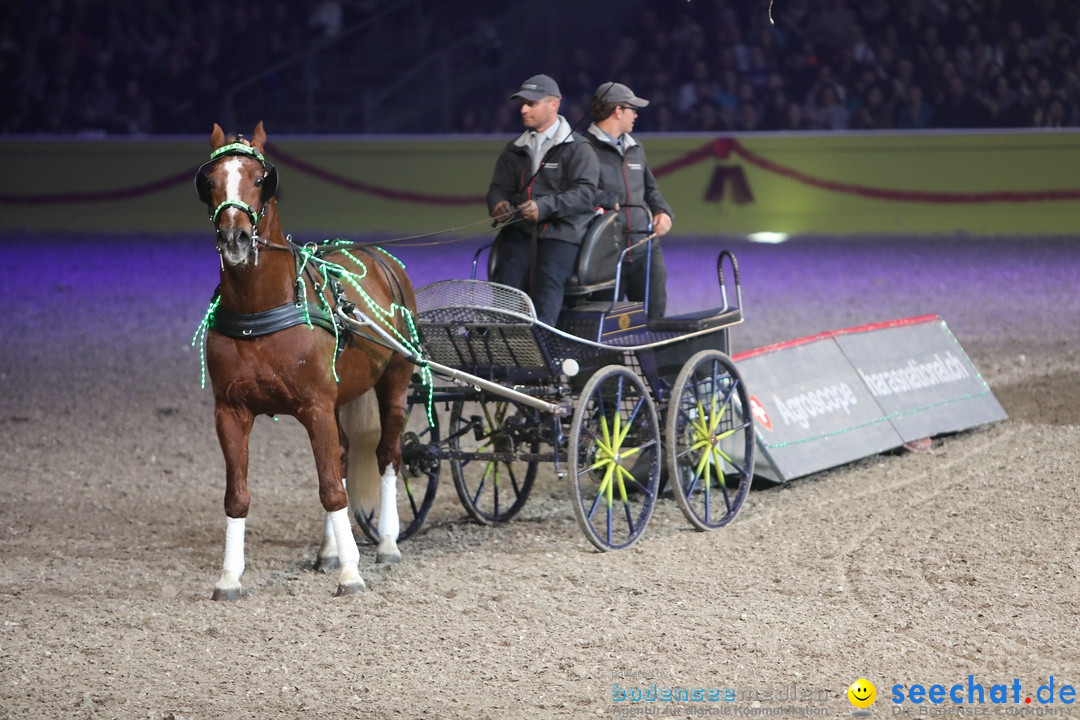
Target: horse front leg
x: 326, y: 561
x: 233, y: 429
x: 322, y: 429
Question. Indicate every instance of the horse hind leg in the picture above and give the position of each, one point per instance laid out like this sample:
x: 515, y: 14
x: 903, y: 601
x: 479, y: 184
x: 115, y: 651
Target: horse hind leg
x: 392, y: 391
x: 360, y: 421
x: 389, y: 525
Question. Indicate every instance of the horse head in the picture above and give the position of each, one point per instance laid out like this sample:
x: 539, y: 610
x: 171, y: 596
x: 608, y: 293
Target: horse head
x: 237, y: 184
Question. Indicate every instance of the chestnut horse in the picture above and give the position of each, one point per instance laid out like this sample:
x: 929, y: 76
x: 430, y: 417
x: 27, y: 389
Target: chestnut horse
x: 273, y: 347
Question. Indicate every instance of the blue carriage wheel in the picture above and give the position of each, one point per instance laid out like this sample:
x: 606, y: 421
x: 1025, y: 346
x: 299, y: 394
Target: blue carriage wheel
x: 709, y: 439
x: 614, y: 458
x: 494, y: 445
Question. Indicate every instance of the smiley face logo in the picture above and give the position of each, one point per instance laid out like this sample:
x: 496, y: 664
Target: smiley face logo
x: 862, y: 693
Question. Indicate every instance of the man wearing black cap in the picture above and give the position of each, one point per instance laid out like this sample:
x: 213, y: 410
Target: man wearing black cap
x: 546, y: 177
x: 628, y: 186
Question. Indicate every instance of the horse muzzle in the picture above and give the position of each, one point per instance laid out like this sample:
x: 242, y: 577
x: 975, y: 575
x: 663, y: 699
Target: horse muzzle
x: 235, y: 245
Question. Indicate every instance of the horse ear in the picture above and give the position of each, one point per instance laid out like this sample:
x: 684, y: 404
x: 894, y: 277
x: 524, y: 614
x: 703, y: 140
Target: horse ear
x: 258, y: 137
x: 269, y: 186
x: 217, y: 137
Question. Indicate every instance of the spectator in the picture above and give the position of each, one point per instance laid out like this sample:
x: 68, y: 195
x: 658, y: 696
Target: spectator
x: 1004, y: 105
x: 832, y: 28
x: 1054, y: 114
x: 914, y: 113
x: 795, y: 118
x: 960, y: 109
x: 135, y: 113
x: 774, y: 115
x: 326, y: 19
x: 878, y: 111
x: 829, y: 113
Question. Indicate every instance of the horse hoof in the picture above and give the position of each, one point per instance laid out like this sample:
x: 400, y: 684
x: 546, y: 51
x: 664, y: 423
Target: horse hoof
x: 226, y: 594
x: 349, y: 588
x: 389, y: 558
x: 327, y: 564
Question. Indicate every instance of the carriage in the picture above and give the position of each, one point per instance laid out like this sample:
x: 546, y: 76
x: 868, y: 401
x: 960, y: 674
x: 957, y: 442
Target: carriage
x: 623, y: 406
x: 331, y: 334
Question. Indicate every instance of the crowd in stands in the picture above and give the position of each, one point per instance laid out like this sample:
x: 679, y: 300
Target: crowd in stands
x: 118, y: 67
x: 115, y: 67
x: 719, y: 65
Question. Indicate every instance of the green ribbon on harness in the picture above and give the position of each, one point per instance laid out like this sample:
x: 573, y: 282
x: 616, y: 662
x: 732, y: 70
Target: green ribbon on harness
x: 310, y: 255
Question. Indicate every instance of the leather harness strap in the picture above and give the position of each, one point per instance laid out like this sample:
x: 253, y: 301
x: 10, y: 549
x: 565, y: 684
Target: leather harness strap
x: 250, y: 325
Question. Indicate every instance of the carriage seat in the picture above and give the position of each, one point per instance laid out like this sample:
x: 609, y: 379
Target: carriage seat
x: 700, y: 320
x: 597, y: 257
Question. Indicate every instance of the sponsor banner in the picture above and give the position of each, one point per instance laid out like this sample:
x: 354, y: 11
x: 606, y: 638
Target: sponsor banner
x: 921, y: 377
x: 833, y: 398
x: 811, y: 410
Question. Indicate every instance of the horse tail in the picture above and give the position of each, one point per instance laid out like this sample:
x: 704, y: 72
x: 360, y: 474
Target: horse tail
x: 362, y: 426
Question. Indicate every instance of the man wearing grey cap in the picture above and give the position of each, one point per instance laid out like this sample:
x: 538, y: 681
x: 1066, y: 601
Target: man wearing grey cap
x: 545, y: 182
x: 627, y: 185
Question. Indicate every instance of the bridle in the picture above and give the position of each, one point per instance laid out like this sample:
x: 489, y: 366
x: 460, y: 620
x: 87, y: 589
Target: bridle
x: 269, y: 186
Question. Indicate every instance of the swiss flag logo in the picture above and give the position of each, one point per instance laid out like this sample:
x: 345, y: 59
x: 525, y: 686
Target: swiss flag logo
x: 760, y: 416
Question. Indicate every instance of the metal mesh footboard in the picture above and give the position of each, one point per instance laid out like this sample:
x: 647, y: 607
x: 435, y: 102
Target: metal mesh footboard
x: 482, y: 328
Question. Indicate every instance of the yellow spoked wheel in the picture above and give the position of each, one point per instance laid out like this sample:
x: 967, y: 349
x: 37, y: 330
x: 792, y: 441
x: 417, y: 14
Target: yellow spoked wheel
x: 710, y: 440
x: 614, y: 458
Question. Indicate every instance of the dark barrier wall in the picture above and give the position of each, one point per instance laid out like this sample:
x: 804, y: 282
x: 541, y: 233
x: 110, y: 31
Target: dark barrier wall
x: 866, y: 183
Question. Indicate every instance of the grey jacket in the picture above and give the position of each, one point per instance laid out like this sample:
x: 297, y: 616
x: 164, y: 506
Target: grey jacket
x: 625, y: 178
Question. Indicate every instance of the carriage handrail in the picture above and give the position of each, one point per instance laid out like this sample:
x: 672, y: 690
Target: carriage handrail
x: 619, y: 266
x: 476, y: 258
x: 735, y: 272
x: 522, y: 318
x: 728, y: 254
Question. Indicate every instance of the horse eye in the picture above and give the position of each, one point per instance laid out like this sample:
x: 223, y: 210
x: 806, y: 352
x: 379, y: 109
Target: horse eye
x: 258, y: 182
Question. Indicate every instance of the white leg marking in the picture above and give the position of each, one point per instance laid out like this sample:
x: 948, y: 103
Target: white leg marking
x: 329, y: 544
x: 233, y: 567
x: 389, y: 525
x: 349, y: 555
x: 327, y: 559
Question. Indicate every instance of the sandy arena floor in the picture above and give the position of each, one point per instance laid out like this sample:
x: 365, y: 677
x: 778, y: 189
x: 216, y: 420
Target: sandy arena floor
x: 901, y: 568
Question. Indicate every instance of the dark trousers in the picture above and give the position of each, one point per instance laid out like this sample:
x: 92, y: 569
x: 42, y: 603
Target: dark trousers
x: 555, y: 261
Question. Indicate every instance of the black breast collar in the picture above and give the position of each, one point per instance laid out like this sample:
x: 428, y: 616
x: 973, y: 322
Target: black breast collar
x: 251, y: 325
